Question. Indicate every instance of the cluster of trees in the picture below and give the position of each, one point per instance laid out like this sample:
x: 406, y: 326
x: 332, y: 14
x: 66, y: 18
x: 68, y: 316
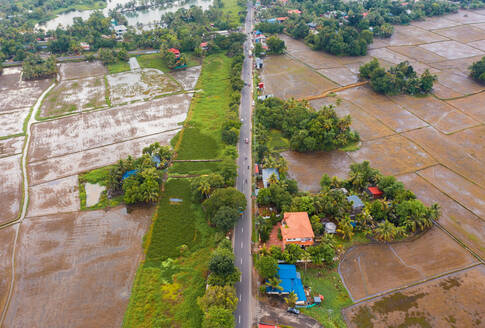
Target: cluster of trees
x: 222, y: 204
x: 276, y: 45
x: 347, y: 28
x: 220, y: 300
x: 35, y: 67
x: 232, y: 125
x: 110, y: 56
x: 477, y: 70
x: 143, y: 185
x: 170, y: 59
x: 399, y: 79
x: 307, y: 129
x: 397, y: 215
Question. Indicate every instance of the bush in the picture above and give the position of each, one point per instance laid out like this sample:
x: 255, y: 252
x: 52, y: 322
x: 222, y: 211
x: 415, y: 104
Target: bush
x: 107, y: 56
x: 35, y: 67
x: 477, y: 70
x: 276, y: 45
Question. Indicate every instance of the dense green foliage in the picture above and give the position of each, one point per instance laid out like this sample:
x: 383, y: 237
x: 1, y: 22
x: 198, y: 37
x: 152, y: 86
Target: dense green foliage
x: 399, y: 79
x: 477, y: 70
x: 307, y: 129
x: 276, y: 45
x: 347, y: 28
x: 35, y: 67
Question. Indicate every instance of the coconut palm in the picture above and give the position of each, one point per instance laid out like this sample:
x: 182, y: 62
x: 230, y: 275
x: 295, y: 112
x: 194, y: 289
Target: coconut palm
x: 272, y: 179
x: 274, y: 283
x: 386, y: 231
x: 291, y: 299
x: 204, y: 188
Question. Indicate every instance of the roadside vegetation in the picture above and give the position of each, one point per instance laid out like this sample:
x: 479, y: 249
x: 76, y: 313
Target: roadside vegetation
x: 399, y: 79
x: 36, y: 67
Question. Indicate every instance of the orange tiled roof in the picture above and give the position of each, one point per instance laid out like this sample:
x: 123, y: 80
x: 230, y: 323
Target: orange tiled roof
x: 296, y: 225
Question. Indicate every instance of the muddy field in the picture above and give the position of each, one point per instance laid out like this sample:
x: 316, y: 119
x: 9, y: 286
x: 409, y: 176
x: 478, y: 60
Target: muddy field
x: 16, y: 93
x: 187, y: 77
x: 78, y: 162
x: 11, y: 146
x: 139, y: 85
x: 13, y: 122
x: 287, y: 78
x: 7, y: 236
x: 309, y: 168
x: 76, y: 269
x: 455, y: 218
x: 58, y: 196
x: 71, y: 71
x: 371, y: 269
x: 74, y: 96
x: 11, y: 188
x: 431, y: 304
x: 470, y: 106
x: 100, y: 128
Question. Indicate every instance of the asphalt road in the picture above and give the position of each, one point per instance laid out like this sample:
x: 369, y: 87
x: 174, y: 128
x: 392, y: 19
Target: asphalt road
x: 242, y: 231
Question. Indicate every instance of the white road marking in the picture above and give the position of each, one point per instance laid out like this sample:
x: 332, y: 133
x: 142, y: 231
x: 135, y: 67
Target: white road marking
x: 239, y: 319
x: 242, y: 229
x: 241, y: 244
x: 241, y: 260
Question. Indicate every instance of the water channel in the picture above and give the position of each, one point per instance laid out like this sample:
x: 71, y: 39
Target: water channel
x: 144, y: 17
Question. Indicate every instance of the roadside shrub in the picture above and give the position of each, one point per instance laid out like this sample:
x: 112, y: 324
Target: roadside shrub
x: 477, y: 70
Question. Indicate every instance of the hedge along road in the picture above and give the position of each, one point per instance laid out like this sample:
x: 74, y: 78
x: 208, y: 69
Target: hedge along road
x: 25, y: 190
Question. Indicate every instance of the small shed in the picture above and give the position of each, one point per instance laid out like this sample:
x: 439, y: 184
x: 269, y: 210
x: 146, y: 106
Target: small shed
x: 357, y: 204
x: 330, y: 227
x: 317, y: 300
x: 128, y: 174
x: 176, y: 52
x: 259, y: 63
x: 374, y: 192
x: 204, y: 46
x: 261, y: 85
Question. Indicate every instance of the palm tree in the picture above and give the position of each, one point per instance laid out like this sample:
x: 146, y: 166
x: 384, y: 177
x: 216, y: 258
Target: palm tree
x: 274, y: 283
x: 272, y: 179
x: 291, y: 299
x: 204, y: 188
x: 386, y: 231
x: 305, y: 257
x: 345, y: 228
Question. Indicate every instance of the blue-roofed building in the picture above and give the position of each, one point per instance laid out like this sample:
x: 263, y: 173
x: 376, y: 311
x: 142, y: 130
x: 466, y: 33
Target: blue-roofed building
x: 357, y: 204
x: 271, y: 20
x: 156, y: 160
x: 129, y: 174
x: 267, y: 173
x: 290, y: 282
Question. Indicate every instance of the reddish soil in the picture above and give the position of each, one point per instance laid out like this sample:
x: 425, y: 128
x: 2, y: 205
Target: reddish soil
x: 460, y: 222
x: 7, y: 238
x: 76, y: 269
x: 273, y: 238
x: 11, y: 188
x: 468, y: 194
x: 287, y: 78
x: 371, y: 269
x: 58, y: 196
x: 449, y: 153
x: 445, y: 118
x: 431, y: 304
x: 308, y: 168
x: 393, y: 155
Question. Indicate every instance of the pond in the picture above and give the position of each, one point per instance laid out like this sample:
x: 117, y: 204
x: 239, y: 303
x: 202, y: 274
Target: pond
x: 144, y: 17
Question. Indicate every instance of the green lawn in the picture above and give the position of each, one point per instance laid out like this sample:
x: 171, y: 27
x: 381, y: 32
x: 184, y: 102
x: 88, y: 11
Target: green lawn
x: 277, y: 142
x: 194, y: 168
x: 118, y: 67
x: 201, y: 138
x: 232, y: 8
x: 155, y: 61
x: 165, y: 290
x: 328, y: 283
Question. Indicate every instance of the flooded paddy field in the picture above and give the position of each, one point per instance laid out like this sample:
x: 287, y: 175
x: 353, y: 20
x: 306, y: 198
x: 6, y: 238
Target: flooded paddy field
x: 431, y: 304
x: 434, y: 144
x: 76, y: 269
x: 16, y: 93
x: 11, y: 188
x: 7, y: 236
x: 188, y: 77
x: 100, y: 128
x: 371, y: 269
x: 13, y: 122
x: 11, y: 146
x: 74, y: 96
x: 138, y: 85
x: 81, y: 70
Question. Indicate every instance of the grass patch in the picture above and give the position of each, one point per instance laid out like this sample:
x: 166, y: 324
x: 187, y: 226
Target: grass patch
x: 155, y: 61
x: 328, y: 283
x: 97, y: 176
x: 194, y: 168
x: 202, y: 136
x: 118, y: 67
x: 232, y: 9
x: 277, y: 142
x: 166, y: 289
x: 352, y: 147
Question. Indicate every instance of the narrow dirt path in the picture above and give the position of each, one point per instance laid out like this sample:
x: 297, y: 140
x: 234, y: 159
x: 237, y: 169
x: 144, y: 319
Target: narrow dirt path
x: 25, y: 200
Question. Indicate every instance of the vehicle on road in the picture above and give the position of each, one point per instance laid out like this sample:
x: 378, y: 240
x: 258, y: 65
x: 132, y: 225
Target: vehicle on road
x: 293, y: 310
x: 246, y: 140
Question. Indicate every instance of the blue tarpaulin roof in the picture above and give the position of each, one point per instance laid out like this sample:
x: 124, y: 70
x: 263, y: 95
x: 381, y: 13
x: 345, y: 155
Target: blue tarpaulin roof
x: 290, y: 281
x: 357, y: 203
x: 129, y: 174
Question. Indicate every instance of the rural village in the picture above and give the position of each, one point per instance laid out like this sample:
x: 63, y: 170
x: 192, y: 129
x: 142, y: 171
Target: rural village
x: 269, y: 164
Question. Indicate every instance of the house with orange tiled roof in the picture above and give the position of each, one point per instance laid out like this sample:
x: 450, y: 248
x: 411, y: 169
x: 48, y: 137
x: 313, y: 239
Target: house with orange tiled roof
x: 297, y: 229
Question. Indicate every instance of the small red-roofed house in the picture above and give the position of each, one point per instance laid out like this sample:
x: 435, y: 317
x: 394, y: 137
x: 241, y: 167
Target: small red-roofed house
x: 176, y: 52
x: 374, y: 192
x: 297, y: 229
